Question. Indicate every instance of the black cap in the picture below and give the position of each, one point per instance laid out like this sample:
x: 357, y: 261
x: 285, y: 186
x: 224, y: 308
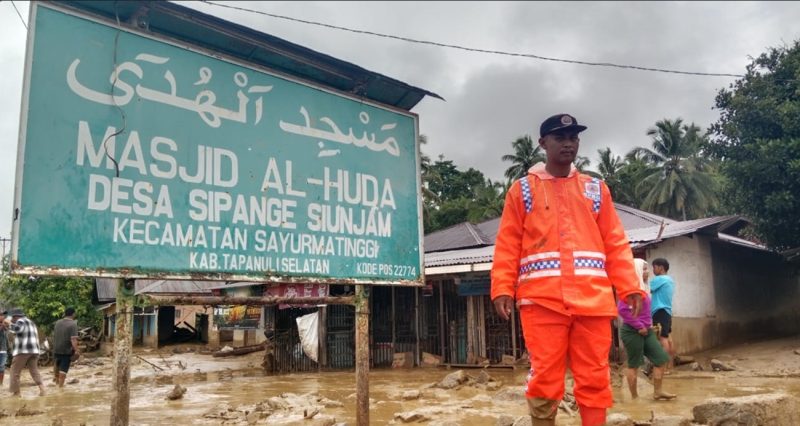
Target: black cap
x: 560, y: 122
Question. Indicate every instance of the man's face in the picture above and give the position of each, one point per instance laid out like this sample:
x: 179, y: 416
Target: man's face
x: 561, y: 147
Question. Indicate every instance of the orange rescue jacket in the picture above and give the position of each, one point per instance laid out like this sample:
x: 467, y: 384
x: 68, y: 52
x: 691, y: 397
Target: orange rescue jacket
x: 561, y: 245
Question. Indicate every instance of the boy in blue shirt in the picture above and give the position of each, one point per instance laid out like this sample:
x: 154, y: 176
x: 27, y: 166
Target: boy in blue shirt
x: 662, y: 288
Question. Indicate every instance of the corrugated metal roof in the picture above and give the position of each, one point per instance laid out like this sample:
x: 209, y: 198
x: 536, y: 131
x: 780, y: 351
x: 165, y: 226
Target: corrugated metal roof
x: 463, y: 235
x: 168, y: 19
x: 639, y: 237
x: 174, y: 286
x: 489, y: 229
x: 460, y: 257
x: 741, y: 242
x: 632, y: 218
x: 644, y: 236
x: 222, y: 285
x: 107, y: 287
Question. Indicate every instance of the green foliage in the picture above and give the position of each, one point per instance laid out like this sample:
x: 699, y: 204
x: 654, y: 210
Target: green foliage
x: 679, y: 183
x: 757, y: 139
x: 44, y: 299
x: 452, y: 196
x: 626, y: 189
x: 582, y: 164
x: 527, y: 152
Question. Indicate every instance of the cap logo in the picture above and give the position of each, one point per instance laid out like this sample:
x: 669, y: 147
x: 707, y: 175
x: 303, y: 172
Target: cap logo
x: 566, y: 120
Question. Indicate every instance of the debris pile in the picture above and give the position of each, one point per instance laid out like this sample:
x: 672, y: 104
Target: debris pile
x: 284, y: 409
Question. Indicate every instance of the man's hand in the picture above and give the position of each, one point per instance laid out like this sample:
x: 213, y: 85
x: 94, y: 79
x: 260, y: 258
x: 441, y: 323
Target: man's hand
x: 635, y: 302
x: 503, y: 305
x: 643, y: 331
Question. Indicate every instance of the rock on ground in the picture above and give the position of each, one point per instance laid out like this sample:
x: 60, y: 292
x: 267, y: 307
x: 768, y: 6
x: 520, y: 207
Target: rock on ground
x: 453, y: 379
x: 515, y: 393
x: 618, y: 419
x: 775, y: 409
x: 412, y: 394
x: 176, y: 393
x: 670, y: 421
x: 522, y: 421
x: 411, y: 416
x: 718, y: 365
x: 504, y: 420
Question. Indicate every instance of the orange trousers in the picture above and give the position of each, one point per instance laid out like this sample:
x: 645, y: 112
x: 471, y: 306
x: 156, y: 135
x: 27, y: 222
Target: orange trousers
x: 555, y: 341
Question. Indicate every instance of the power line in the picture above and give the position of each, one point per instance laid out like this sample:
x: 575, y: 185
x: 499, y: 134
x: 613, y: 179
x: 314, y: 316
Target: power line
x: 20, y: 15
x: 472, y: 49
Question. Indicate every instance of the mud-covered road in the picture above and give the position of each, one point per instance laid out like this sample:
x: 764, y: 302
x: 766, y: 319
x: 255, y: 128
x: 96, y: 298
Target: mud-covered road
x: 235, y: 391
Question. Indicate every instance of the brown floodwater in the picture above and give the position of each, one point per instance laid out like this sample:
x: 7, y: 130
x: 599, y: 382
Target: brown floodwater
x: 214, y: 383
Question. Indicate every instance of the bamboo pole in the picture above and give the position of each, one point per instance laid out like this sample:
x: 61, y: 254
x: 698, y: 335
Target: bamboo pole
x: 442, y: 322
x: 362, y: 355
x: 123, y: 338
x: 417, y: 322
x: 394, y: 321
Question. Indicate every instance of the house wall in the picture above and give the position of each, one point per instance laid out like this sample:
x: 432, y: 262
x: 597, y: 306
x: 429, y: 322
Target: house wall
x: 758, y: 294
x: 726, y: 294
x: 690, y: 268
x: 694, y: 301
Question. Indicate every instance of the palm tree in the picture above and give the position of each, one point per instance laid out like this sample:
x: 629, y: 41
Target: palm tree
x: 487, y: 201
x: 582, y: 164
x: 526, y: 154
x: 625, y: 186
x: 429, y: 175
x: 681, y: 184
x: 609, y: 165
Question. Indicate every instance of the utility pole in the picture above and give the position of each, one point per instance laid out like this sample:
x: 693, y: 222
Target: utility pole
x: 3, y: 242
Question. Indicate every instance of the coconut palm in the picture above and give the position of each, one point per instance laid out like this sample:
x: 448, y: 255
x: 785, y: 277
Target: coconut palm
x: 582, y: 164
x: 487, y: 202
x: 428, y: 176
x: 609, y: 165
x: 681, y: 184
x: 526, y: 154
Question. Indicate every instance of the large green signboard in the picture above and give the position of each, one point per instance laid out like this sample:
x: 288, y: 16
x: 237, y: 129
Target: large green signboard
x: 141, y: 157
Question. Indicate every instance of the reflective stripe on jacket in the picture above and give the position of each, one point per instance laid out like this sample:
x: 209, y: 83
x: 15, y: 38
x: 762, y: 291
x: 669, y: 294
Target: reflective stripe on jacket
x: 561, y: 244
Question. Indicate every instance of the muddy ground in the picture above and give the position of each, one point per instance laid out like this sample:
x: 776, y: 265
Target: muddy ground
x: 235, y: 391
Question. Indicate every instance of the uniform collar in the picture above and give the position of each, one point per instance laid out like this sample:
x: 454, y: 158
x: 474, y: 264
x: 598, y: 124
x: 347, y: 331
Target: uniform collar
x: 539, y: 171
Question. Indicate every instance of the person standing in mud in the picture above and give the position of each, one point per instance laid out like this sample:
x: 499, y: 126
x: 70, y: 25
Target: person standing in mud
x: 269, y: 352
x: 560, y: 252
x: 662, y: 288
x: 26, y: 351
x: 3, y: 345
x: 65, y: 344
x: 640, y: 340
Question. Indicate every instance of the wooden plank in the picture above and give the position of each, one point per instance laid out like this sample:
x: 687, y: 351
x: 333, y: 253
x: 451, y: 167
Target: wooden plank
x: 239, y: 351
x: 362, y: 355
x: 123, y: 341
x: 231, y: 300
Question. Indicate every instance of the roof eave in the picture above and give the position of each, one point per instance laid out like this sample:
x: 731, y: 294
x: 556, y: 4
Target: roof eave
x: 187, y: 25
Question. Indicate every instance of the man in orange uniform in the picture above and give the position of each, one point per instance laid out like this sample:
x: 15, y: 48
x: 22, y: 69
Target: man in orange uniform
x: 559, y: 251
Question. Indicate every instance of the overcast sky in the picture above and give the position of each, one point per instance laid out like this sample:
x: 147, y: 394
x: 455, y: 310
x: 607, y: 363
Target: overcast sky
x: 490, y: 99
